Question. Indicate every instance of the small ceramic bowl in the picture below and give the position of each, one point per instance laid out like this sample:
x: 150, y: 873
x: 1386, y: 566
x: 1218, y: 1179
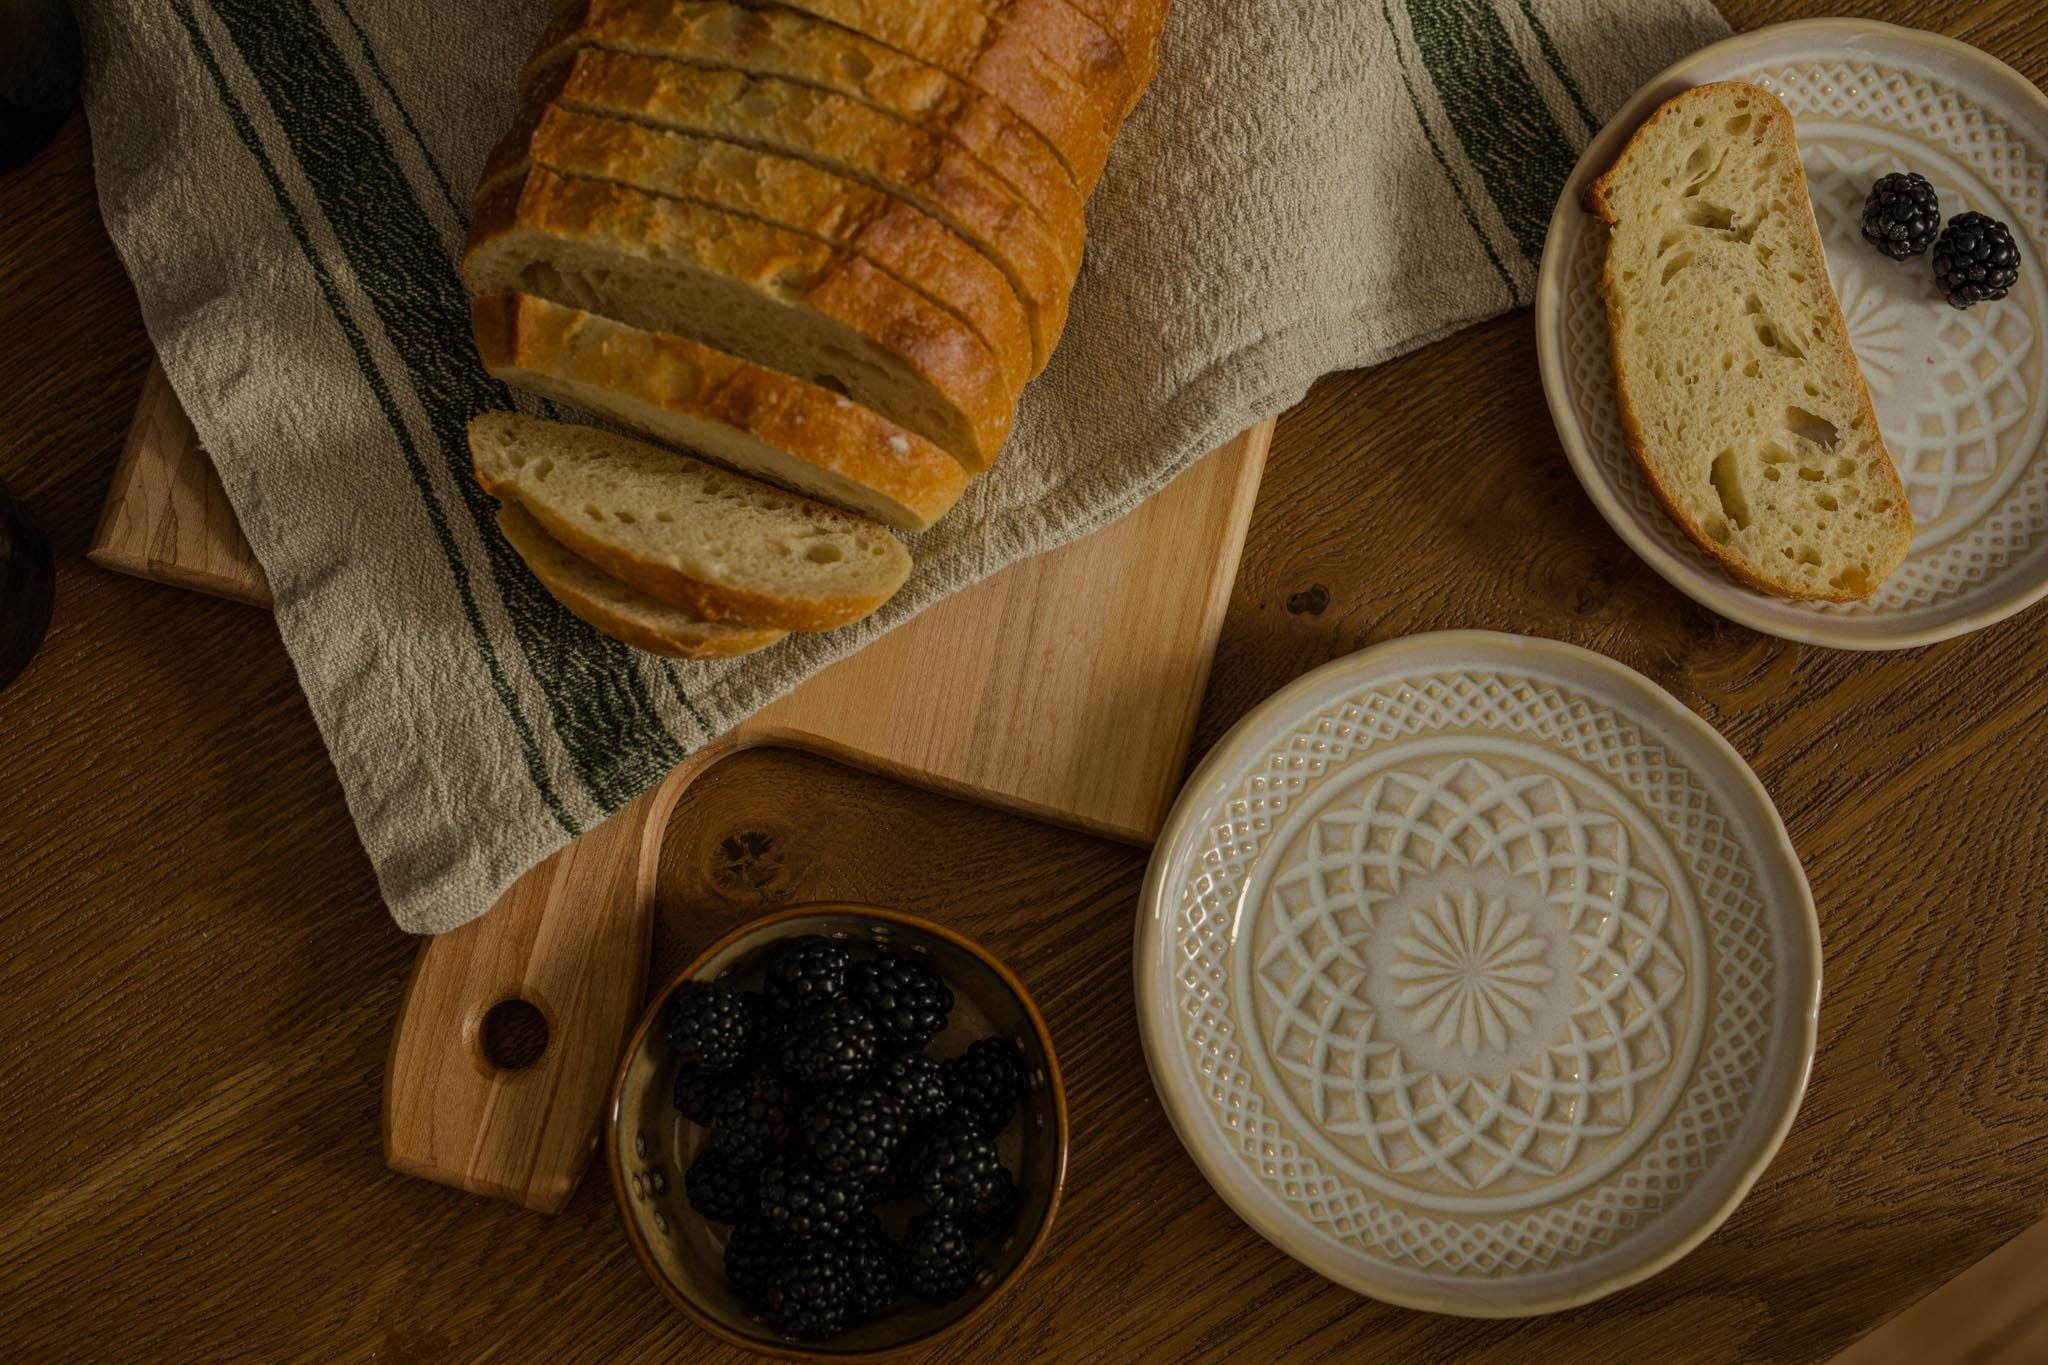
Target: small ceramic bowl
x: 648, y: 1145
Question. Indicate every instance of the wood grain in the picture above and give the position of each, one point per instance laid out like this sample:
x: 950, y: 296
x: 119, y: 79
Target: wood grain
x: 1994, y: 1313
x: 199, y: 982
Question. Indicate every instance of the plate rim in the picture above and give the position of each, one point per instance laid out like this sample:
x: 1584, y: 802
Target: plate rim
x: 1160, y: 1044
x: 1725, y: 597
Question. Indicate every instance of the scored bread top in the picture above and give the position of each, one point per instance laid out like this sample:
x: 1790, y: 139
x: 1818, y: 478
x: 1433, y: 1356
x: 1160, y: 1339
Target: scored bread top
x: 1740, y: 395
x: 619, y: 610
x: 685, y: 532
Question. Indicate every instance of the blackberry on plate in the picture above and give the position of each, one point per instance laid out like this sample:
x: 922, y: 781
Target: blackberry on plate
x: 809, y: 1293
x: 1976, y: 260
x: 854, y: 1132
x: 697, y: 1092
x: 915, y: 1081
x: 960, y: 1173
x: 809, y: 971
x: 801, y: 1200
x: 720, y: 1186
x: 751, y: 1253
x: 905, y: 998
x: 710, y: 1025
x: 985, y: 1082
x: 830, y: 1044
x: 753, y: 1117
x: 877, y: 1270
x: 1902, y: 216
x: 938, y: 1257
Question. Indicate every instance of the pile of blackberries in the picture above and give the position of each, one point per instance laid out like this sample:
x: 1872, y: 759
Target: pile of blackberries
x: 824, y: 1112
x: 1975, y: 257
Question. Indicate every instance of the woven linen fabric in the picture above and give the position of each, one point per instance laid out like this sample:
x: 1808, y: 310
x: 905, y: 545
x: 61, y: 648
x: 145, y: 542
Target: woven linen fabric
x: 1309, y: 186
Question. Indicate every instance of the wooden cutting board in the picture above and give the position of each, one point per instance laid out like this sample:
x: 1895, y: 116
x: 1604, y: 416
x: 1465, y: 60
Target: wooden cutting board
x: 1065, y: 687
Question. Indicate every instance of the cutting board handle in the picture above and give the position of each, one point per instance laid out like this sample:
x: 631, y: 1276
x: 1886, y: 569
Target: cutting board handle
x: 571, y: 940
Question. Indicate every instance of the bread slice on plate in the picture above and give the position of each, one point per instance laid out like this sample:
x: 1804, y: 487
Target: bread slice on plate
x: 1740, y: 395
x: 759, y: 292
x: 685, y: 532
x: 796, y: 47
x: 624, y: 613
x: 1040, y: 256
x: 918, y: 251
x: 743, y: 416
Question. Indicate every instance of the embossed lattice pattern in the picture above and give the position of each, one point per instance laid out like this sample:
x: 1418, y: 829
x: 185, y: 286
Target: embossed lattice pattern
x: 1995, y: 381
x: 1738, y: 950
x: 1472, y: 976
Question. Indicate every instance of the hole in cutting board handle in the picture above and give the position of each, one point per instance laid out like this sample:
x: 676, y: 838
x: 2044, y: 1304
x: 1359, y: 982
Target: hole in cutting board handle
x: 514, y: 1034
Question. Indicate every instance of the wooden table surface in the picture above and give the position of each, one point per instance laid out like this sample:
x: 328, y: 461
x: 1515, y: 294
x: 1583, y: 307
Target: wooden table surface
x: 198, y: 980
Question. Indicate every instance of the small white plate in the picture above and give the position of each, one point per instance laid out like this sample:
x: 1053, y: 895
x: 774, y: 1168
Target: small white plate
x: 1478, y: 974
x: 1961, y: 396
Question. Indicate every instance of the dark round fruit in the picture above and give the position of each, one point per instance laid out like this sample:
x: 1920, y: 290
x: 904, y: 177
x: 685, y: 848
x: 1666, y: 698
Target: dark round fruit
x: 753, y: 1117
x: 959, y: 1173
x: 985, y: 1082
x: 809, y: 971
x: 801, y: 1200
x: 877, y: 1270
x: 697, y: 1092
x: 720, y: 1187
x: 751, y: 1253
x: 938, y: 1257
x: 710, y: 1025
x: 809, y: 1294
x: 855, y: 1132
x: 905, y: 998
x: 1976, y: 260
x: 830, y: 1044
x: 915, y: 1081
x: 1902, y: 216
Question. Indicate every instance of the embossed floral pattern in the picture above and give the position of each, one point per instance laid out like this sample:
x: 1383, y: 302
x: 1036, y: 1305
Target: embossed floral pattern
x: 1471, y: 971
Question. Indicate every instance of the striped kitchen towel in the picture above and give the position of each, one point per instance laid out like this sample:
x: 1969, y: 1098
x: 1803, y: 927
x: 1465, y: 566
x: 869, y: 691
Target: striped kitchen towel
x: 1311, y: 185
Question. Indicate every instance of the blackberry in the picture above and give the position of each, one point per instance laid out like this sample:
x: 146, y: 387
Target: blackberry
x: 800, y: 1200
x: 877, y: 1270
x: 1976, y: 260
x: 938, y: 1257
x: 720, y: 1187
x: 809, y: 1294
x: 810, y: 971
x: 751, y: 1254
x: 985, y: 1082
x: 914, y: 1079
x: 830, y: 1044
x: 905, y: 998
x: 710, y: 1025
x: 753, y: 1117
x: 1902, y: 216
x: 854, y: 1132
x: 959, y: 1173
x: 697, y: 1092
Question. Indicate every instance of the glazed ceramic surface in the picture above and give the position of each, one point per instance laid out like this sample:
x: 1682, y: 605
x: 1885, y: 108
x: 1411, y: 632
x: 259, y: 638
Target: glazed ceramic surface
x: 1961, y: 395
x: 1478, y: 974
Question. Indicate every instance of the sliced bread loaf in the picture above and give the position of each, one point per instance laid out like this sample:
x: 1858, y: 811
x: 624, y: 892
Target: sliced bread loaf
x: 1740, y: 395
x: 741, y: 415
x: 685, y: 532
x: 762, y: 293
x: 622, y: 612
x: 796, y: 47
x: 847, y: 138
x: 918, y: 251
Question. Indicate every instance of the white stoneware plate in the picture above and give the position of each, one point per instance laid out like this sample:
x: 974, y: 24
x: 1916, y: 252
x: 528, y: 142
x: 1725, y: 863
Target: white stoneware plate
x: 1961, y: 396
x: 1478, y: 974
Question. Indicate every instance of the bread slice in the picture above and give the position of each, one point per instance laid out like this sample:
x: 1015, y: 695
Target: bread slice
x: 847, y: 138
x: 745, y: 417
x: 795, y: 47
x: 1740, y: 395
x: 762, y: 293
x: 919, y: 252
x: 624, y: 613
x: 685, y: 532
